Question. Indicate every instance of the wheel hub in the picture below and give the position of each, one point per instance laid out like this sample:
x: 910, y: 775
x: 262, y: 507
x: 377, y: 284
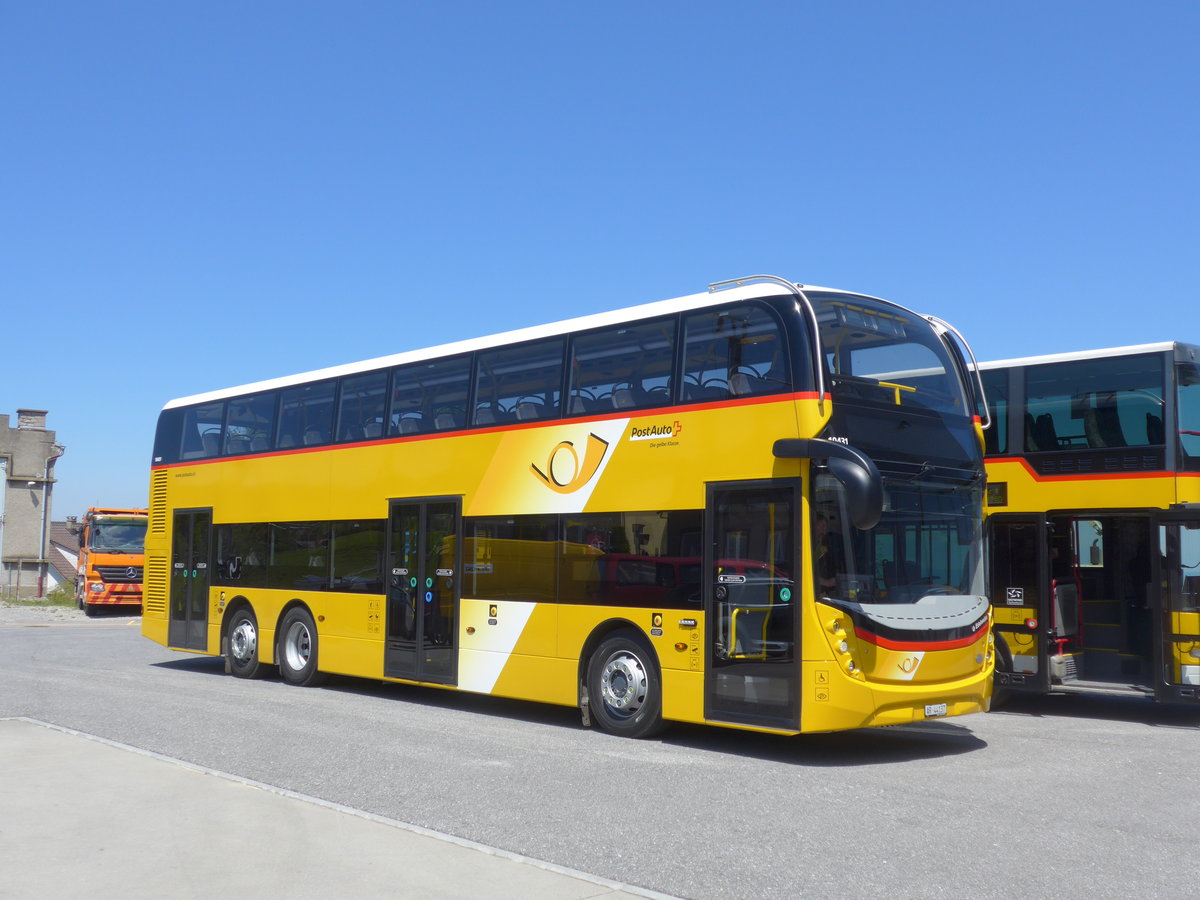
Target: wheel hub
x: 298, y: 646
x: 623, y: 684
x: 243, y: 642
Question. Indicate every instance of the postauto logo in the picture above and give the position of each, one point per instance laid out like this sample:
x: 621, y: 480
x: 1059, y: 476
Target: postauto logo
x: 653, y: 432
x: 564, y: 472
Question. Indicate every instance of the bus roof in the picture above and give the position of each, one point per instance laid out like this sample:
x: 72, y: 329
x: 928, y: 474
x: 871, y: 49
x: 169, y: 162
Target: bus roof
x: 1104, y: 353
x: 753, y: 291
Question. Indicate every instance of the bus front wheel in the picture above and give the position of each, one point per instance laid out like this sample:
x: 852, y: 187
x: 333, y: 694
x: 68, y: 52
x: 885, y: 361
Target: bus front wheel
x: 624, y: 688
x: 298, y: 649
x: 242, y: 647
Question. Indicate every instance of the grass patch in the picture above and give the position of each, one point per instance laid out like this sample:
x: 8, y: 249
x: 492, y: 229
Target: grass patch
x: 63, y: 595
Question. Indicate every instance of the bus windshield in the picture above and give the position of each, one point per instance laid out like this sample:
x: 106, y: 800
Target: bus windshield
x: 880, y: 354
x: 926, y: 543
x: 119, y: 536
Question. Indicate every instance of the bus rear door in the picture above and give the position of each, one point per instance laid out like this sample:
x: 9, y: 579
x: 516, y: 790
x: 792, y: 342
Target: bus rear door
x: 1019, y: 575
x: 191, y: 533
x: 1177, y: 654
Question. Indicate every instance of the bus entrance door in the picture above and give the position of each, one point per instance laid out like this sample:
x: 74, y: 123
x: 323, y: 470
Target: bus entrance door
x: 188, y: 626
x: 1177, y: 660
x: 423, y: 590
x: 1019, y: 575
x: 753, y: 672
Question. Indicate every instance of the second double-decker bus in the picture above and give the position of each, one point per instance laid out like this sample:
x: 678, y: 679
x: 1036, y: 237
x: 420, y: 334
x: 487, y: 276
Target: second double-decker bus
x: 757, y: 507
x: 1094, y: 514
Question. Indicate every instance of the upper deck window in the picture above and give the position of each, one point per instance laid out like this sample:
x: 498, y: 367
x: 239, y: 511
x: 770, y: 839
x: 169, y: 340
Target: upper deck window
x: 250, y: 424
x: 1188, y: 377
x: 362, y: 406
x: 202, y: 430
x: 306, y: 415
x: 995, y: 385
x: 1094, y: 403
x: 429, y: 396
x: 738, y: 351
x: 521, y: 383
x: 880, y: 354
x: 626, y: 367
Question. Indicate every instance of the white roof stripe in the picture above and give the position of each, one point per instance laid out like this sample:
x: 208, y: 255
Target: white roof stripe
x: 582, y: 323
x: 1081, y: 354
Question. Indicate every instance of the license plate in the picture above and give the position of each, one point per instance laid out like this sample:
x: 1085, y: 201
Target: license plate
x: 933, y: 710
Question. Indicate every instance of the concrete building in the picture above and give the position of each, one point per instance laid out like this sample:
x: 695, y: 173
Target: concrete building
x: 27, y: 456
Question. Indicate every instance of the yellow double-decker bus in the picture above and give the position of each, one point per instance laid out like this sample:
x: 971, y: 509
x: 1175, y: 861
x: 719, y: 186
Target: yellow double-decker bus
x: 758, y: 507
x: 1094, y: 513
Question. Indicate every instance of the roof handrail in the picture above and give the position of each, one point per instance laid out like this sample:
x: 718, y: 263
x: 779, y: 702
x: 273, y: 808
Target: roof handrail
x: 942, y: 323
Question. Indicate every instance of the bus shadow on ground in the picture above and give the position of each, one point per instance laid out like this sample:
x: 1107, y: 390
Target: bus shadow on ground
x: 99, y: 613
x: 1104, y: 707
x: 208, y: 665
x: 840, y: 749
x: 860, y: 747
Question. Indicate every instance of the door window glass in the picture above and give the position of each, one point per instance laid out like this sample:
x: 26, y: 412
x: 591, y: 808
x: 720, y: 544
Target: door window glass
x: 753, y: 605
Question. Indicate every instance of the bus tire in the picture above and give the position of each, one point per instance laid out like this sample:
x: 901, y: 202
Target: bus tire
x: 297, y: 654
x: 242, y: 645
x: 624, y: 687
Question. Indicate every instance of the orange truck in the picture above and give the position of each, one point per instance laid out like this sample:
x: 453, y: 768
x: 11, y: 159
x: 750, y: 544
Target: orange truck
x: 111, y: 558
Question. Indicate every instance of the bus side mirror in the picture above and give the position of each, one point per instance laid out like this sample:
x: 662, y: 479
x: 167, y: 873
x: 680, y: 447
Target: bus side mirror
x: 855, y: 470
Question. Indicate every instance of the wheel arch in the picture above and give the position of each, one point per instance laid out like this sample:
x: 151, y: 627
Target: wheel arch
x: 597, y: 636
x: 235, y: 603
x: 294, y: 603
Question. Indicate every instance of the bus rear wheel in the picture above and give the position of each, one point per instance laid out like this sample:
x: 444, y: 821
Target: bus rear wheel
x: 242, y: 647
x: 624, y: 688
x: 297, y: 654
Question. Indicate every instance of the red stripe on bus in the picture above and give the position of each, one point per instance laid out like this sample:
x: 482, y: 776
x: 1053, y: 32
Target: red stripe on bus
x: 888, y: 644
x: 516, y: 426
x: 1087, y: 476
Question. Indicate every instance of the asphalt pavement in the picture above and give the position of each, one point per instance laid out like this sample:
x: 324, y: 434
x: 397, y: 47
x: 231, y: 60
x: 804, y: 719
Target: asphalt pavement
x: 81, y: 816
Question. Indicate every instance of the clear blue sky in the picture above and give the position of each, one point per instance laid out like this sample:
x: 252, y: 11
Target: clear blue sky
x: 195, y: 195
